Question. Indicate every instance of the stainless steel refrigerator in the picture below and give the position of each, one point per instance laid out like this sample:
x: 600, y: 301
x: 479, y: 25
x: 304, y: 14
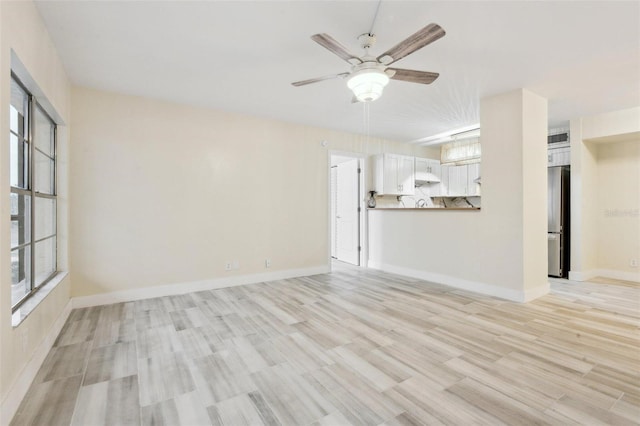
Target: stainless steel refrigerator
x: 558, y: 218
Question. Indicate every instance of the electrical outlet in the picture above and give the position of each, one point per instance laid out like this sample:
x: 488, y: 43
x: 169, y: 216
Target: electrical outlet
x: 236, y: 264
x: 227, y: 265
x: 267, y: 263
x: 633, y: 263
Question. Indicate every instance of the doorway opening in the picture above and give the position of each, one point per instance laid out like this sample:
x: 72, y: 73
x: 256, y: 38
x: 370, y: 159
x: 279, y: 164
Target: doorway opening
x: 346, y: 208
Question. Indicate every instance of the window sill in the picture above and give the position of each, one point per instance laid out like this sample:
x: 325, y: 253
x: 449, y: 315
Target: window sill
x: 30, y: 305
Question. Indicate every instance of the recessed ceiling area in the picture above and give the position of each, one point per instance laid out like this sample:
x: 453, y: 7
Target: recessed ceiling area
x: 242, y: 56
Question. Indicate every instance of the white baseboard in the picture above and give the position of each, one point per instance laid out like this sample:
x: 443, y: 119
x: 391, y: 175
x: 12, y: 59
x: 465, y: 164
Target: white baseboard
x: 188, y: 287
x: 618, y: 275
x: 534, y: 293
x: 604, y: 273
x: 582, y: 275
x: 473, y: 286
x: 20, y: 387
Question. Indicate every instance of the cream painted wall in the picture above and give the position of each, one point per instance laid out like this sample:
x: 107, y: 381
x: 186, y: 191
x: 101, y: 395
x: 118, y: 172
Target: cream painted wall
x: 618, y: 214
x: 535, y: 192
x: 587, y: 135
x: 22, y: 30
x: 584, y: 205
x: 166, y: 194
x: 622, y: 122
x: 501, y: 249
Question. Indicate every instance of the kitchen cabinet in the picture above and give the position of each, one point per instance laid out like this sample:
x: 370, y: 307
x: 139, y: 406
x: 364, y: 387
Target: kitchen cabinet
x: 559, y: 157
x: 406, y: 175
x: 473, y: 173
x: 458, y: 181
x: 394, y: 174
x: 429, y: 175
x: 427, y: 170
x: 444, y: 181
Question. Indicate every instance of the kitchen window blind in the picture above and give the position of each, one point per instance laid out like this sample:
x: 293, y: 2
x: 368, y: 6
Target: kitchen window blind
x: 467, y: 151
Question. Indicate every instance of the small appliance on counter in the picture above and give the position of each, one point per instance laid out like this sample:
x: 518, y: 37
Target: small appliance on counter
x: 371, y: 202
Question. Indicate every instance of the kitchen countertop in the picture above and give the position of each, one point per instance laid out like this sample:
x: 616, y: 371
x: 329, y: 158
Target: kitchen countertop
x: 425, y: 208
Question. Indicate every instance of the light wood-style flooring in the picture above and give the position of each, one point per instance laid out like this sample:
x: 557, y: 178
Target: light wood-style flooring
x: 355, y: 346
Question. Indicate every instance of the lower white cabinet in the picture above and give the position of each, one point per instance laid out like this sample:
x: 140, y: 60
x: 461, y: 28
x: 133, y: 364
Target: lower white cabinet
x: 457, y: 181
x: 394, y: 174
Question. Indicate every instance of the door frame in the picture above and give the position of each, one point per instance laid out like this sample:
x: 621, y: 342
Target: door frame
x: 362, y: 164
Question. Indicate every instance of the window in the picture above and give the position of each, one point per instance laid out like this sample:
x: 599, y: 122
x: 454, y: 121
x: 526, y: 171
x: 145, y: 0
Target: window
x: 32, y: 168
x: 461, y: 152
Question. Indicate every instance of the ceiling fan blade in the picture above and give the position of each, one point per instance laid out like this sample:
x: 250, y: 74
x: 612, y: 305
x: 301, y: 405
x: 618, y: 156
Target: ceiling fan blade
x: 422, y: 77
x: 428, y: 34
x: 333, y: 45
x: 317, y: 79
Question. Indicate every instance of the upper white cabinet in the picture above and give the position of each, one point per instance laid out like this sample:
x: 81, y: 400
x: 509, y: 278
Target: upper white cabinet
x: 473, y: 175
x: 394, y: 174
x: 427, y: 170
x: 406, y: 175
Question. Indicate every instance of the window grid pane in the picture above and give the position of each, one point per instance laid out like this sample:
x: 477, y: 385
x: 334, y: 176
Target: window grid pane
x: 44, y: 131
x: 19, y: 109
x: 45, y: 214
x: 20, y: 274
x: 19, y: 161
x: 45, y: 259
x: 20, y: 219
x: 44, y: 171
x: 18, y: 133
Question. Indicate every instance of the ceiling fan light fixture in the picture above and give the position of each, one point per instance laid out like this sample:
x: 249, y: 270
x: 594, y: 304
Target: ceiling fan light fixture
x: 367, y: 85
x: 369, y: 75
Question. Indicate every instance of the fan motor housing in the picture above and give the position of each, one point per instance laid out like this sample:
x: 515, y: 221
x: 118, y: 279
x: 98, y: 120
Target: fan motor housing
x: 367, y: 40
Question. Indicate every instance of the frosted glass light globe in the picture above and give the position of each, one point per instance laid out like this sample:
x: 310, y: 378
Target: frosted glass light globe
x: 367, y: 85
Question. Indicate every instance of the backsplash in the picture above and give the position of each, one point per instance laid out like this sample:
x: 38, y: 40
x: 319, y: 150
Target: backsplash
x: 422, y: 193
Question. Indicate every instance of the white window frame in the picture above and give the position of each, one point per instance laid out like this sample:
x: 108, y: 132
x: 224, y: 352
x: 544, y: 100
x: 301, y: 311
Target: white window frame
x: 30, y: 190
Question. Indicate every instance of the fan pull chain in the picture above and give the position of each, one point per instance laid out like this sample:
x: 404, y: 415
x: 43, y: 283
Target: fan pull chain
x: 367, y: 121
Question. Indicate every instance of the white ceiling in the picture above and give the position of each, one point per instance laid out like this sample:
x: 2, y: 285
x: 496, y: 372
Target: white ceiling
x: 242, y: 56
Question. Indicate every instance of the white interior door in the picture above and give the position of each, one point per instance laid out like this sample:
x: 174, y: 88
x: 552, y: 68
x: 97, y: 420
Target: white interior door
x: 347, y: 215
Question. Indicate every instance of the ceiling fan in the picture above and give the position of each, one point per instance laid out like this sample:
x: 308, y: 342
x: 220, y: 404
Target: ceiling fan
x: 369, y: 75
